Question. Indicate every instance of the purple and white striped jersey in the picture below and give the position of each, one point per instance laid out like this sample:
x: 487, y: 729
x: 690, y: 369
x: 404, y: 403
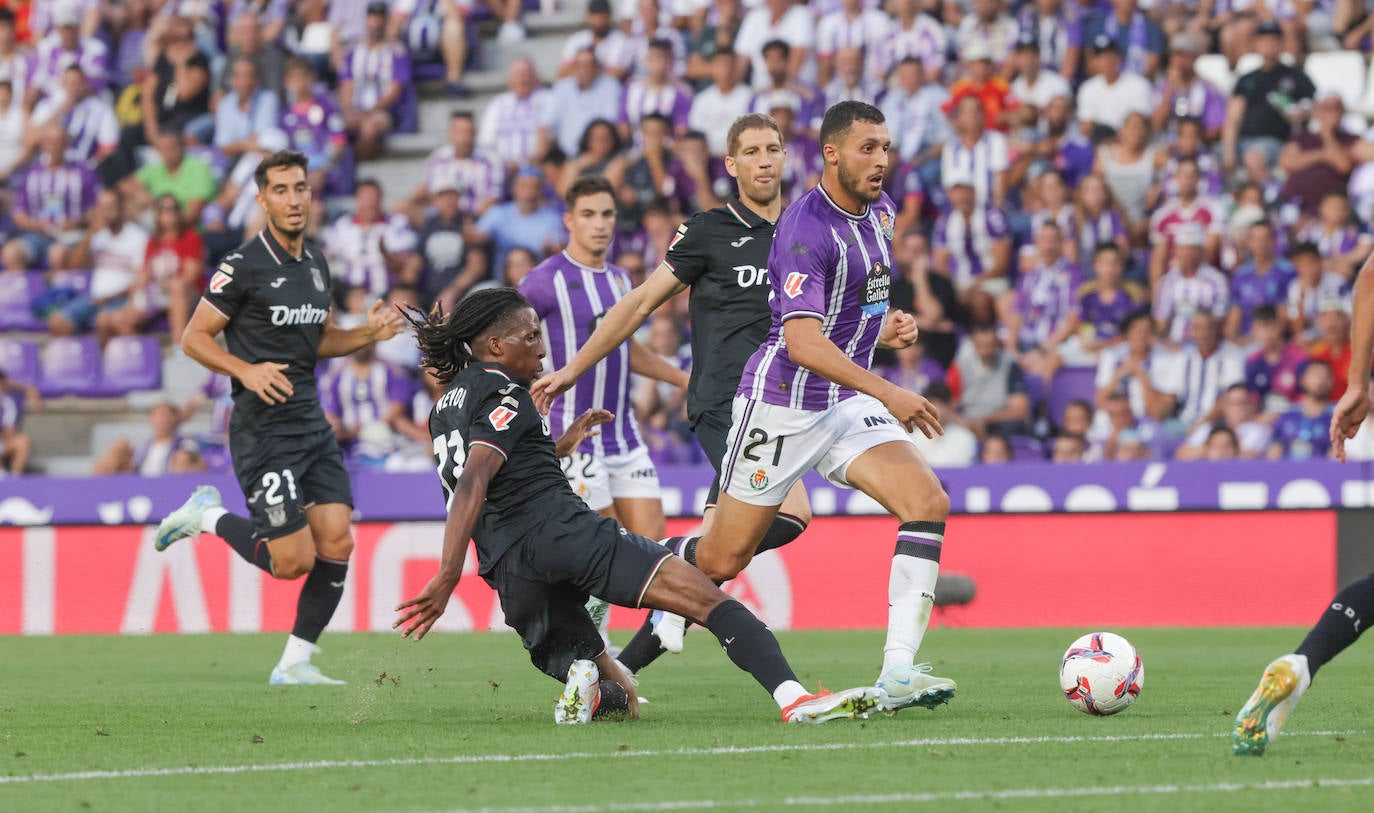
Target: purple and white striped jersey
x: 1045, y: 298
x: 1335, y: 242
x: 51, y: 58
x: 926, y: 40
x: 615, y: 51
x: 56, y: 194
x: 91, y: 125
x: 969, y: 240
x: 478, y: 179
x: 372, y: 69
x: 829, y: 265
x: 41, y: 14
x: 571, y: 298
x: 673, y: 100
x: 510, y: 127
x: 359, y: 397
x: 1179, y: 297
x: 869, y: 30
x: 11, y: 410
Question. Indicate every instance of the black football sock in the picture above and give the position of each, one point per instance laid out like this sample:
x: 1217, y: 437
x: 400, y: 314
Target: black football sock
x: 784, y: 529
x: 642, y: 650
x: 1350, y: 612
x: 239, y: 533
x: 750, y: 644
x: 319, y: 598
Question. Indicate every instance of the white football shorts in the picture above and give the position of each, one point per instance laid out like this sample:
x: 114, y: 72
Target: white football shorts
x: 599, y: 480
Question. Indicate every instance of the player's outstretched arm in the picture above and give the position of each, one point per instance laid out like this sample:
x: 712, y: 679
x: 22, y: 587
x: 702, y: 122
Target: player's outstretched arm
x: 1354, y: 405
x: 809, y: 347
x: 382, y: 323
x: 619, y: 323
x: 418, y: 614
x: 267, y: 379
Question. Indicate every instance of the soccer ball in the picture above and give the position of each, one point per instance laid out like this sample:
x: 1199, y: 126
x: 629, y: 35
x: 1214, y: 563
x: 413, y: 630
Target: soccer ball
x: 1101, y: 674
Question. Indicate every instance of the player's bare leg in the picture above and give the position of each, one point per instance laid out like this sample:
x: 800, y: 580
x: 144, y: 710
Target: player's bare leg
x: 641, y: 515
x: 682, y: 589
x: 901, y: 481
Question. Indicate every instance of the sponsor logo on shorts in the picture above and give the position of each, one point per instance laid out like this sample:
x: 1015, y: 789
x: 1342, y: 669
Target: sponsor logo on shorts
x: 501, y: 417
x: 876, y: 420
x: 759, y: 480
x: 276, y: 515
x: 794, y: 283
x: 643, y: 474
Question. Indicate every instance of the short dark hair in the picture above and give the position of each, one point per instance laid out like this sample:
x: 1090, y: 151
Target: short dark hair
x: 660, y: 44
x: 298, y: 63
x: 724, y: 50
x: 656, y: 117
x: 462, y: 114
x: 752, y: 121
x: 281, y: 159
x: 1305, y: 247
x: 1222, y: 429
x: 1107, y: 248
x: 6, y: 15
x: 585, y: 186
x: 1135, y: 316
x: 367, y: 182
x: 1265, y: 313
x: 778, y: 45
x: 938, y: 391
x: 841, y: 116
x: 982, y: 327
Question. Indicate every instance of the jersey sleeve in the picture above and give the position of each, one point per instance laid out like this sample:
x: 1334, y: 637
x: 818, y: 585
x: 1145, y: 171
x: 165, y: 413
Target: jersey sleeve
x: 505, y: 414
x: 800, y: 263
x: 228, y: 288
x: 688, y: 255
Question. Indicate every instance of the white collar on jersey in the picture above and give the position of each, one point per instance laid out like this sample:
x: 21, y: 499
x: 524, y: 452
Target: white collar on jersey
x: 841, y: 209
x: 603, y: 269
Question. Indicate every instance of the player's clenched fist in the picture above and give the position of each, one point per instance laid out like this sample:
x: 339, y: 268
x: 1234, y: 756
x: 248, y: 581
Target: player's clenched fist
x: 899, y: 330
x: 268, y: 382
x: 914, y: 412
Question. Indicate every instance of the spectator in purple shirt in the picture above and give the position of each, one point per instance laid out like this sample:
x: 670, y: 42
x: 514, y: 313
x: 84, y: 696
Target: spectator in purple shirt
x: 1184, y: 94
x: 1189, y: 287
x: 1097, y: 219
x: 312, y: 123
x: 1343, y: 246
x: 1038, y: 315
x: 1104, y: 303
x: 61, y: 48
x: 15, y: 446
x: 372, y: 78
x: 477, y: 177
x: 1261, y: 280
x: 51, y: 201
x: 655, y: 92
x: 1303, y: 432
x: 363, y: 400
x: 1271, y: 372
x: 972, y: 246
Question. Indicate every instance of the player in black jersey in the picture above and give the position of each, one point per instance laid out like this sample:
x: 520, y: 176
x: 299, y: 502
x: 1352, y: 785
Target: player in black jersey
x: 538, y: 544
x: 722, y: 256
x: 271, y: 300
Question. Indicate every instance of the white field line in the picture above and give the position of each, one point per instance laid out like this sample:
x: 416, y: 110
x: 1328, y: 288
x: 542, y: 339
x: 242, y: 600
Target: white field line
x: 927, y: 798
x: 479, y: 759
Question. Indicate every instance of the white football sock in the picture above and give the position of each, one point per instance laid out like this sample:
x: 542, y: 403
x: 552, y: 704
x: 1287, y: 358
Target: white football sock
x: 210, y: 518
x: 910, y: 597
x: 789, y: 692
x: 298, y: 650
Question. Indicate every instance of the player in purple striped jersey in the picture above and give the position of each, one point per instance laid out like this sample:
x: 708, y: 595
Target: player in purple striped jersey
x: 570, y: 292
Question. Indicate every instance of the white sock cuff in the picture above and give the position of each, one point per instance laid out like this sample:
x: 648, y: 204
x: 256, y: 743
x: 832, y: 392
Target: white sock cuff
x: 210, y: 518
x: 788, y: 692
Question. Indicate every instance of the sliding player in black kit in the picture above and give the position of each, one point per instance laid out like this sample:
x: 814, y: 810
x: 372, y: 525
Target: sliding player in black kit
x: 271, y: 300
x: 540, y: 547
x: 722, y: 256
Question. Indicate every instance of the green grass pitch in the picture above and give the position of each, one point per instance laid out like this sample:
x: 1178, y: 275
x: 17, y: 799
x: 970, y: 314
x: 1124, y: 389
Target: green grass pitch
x: 463, y: 722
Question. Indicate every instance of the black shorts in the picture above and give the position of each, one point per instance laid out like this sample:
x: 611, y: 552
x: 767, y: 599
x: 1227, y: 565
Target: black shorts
x: 712, y: 429
x: 544, y: 581
x: 281, y: 477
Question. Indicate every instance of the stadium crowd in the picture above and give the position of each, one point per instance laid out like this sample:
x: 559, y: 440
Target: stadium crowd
x: 1111, y: 256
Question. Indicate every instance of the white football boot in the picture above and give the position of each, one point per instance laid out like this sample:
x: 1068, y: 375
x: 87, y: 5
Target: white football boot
x: 581, y: 695
x: 1259, y: 721
x: 913, y: 685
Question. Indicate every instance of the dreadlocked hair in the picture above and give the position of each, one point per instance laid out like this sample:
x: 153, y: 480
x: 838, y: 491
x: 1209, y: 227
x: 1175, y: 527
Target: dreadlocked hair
x: 446, y: 342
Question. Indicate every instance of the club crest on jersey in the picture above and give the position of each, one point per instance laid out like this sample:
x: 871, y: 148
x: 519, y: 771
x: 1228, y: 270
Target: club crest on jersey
x: 317, y: 278
x: 885, y: 224
x: 501, y: 417
x: 758, y: 480
x: 793, y: 285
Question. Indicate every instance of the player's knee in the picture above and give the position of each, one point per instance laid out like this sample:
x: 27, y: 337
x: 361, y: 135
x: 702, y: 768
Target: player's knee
x: 292, y: 564
x: 339, y: 549
x: 722, y: 567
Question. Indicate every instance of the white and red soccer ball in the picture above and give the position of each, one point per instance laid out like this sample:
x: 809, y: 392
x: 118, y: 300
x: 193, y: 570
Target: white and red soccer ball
x: 1101, y: 674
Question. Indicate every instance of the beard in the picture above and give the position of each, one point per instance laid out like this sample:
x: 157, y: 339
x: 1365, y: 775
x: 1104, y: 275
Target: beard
x: 858, y: 186
x: 762, y: 197
x: 286, y: 230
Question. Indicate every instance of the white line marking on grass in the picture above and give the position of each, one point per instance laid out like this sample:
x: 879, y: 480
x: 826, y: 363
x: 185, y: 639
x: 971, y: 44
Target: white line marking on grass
x: 728, y: 750
x: 926, y: 798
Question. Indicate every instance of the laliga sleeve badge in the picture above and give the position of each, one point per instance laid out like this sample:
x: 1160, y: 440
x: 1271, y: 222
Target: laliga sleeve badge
x: 793, y: 285
x: 501, y: 417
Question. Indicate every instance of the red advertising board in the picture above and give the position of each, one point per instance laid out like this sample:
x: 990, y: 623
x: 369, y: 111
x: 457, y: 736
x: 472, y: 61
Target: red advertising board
x: 1030, y: 570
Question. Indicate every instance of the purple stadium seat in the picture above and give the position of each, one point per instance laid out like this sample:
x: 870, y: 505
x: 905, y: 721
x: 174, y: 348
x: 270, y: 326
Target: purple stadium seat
x: 70, y: 366
x: 406, y: 112
x: 428, y: 72
x: 79, y: 281
x: 19, y: 360
x: 342, y: 179
x: 1025, y: 449
x: 1070, y: 384
x: 1035, y: 390
x: 131, y: 363
x: 17, y: 291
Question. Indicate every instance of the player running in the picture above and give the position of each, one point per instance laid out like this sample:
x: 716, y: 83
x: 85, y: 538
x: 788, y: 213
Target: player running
x: 538, y: 544
x: 807, y: 399
x: 1352, y: 610
x: 570, y: 291
x: 271, y: 300
x: 722, y: 256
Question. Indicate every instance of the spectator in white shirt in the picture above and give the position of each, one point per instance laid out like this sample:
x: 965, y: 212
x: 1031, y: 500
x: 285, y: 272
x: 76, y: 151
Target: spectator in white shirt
x: 614, y: 50
x: 1235, y: 414
x: 913, y: 111
x: 989, y: 25
x: 1035, y: 84
x: 90, y: 121
x: 853, y: 25
x: 114, y: 250
x: 1105, y: 100
x: 1209, y: 367
x: 850, y: 81
x: 369, y: 248
x: 956, y: 446
x: 579, y: 99
x: 723, y: 101
x: 977, y: 152
x: 510, y: 126
x: 777, y: 20
x: 1190, y: 287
